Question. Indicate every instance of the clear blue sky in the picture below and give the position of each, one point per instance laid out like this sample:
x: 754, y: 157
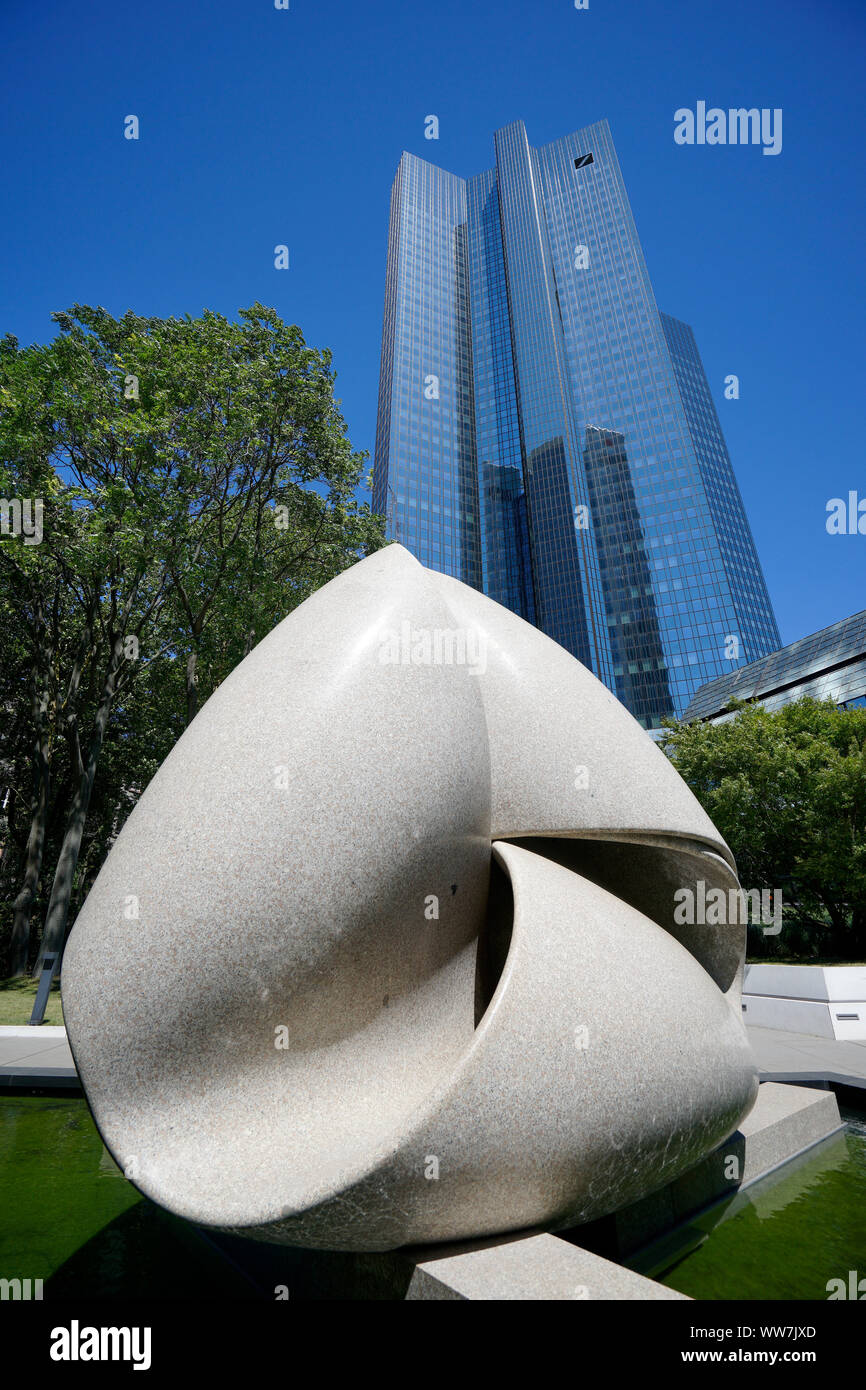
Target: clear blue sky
x: 261, y: 126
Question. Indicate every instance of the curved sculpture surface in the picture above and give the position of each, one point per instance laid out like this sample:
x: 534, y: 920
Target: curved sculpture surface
x: 386, y: 952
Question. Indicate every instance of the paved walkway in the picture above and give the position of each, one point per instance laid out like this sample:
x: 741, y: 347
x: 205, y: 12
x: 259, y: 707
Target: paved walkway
x: 784, y: 1056
x: 41, y: 1057
x: 36, y: 1057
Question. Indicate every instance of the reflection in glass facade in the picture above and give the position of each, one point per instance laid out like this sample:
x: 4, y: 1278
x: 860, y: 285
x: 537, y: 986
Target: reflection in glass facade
x: 826, y: 665
x: 547, y: 436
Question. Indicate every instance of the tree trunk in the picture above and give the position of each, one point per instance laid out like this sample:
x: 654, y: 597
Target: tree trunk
x: 191, y: 690
x: 858, y: 932
x: 61, y: 889
x: 838, y: 934
x: 20, y: 944
x: 9, y: 846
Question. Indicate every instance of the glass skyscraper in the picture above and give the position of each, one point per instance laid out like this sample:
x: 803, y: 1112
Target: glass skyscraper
x: 546, y: 435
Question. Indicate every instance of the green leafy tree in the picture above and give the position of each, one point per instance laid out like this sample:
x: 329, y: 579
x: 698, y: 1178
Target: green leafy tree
x: 787, y: 790
x: 197, y: 483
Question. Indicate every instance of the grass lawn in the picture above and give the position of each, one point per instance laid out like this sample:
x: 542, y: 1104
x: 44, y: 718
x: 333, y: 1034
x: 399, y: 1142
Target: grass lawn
x: 18, y: 996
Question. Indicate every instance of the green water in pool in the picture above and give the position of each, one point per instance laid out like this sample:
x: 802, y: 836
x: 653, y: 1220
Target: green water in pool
x: 69, y: 1217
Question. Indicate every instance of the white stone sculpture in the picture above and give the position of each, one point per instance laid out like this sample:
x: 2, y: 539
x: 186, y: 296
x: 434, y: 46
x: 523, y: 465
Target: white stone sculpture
x: 405, y: 966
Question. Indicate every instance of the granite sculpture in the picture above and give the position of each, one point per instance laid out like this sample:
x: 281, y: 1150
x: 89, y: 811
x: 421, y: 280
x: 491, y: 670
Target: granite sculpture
x: 386, y: 952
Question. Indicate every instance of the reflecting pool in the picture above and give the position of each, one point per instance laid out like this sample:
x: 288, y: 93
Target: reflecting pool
x: 784, y: 1237
x: 69, y: 1217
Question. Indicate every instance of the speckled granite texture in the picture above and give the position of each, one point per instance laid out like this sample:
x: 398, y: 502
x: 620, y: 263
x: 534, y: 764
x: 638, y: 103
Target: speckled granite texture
x: 385, y: 954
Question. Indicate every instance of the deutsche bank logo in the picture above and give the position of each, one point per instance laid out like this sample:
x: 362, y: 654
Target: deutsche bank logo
x: 582, y: 161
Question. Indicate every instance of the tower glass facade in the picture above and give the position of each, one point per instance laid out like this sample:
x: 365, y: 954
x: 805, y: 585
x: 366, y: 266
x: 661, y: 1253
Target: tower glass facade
x: 546, y: 435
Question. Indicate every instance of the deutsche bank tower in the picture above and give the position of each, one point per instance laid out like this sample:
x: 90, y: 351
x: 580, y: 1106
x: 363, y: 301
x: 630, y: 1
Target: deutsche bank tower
x: 549, y: 437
